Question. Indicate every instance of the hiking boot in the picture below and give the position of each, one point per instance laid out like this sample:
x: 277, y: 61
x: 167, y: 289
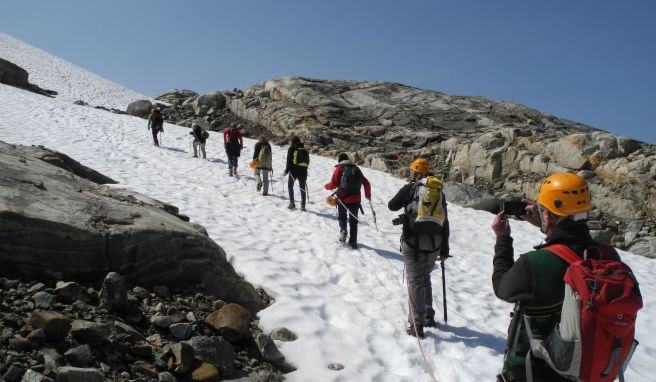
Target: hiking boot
x: 302, y: 207
x: 430, y: 322
x: 342, y: 236
x: 194, y: 156
x: 230, y: 171
x: 291, y: 206
x: 354, y: 245
x: 417, y: 331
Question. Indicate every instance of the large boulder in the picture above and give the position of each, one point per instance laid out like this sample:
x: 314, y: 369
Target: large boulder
x: 55, y: 224
x: 140, y: 108
x: 13, y: 75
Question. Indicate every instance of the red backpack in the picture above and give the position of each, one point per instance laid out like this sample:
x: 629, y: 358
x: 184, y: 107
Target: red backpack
x: 593, y: 342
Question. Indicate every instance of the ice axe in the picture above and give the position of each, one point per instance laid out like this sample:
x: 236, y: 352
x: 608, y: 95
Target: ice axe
x: 444, y: 288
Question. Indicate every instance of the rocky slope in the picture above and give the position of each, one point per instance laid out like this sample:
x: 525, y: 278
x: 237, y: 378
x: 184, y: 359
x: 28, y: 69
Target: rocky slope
x: 67, y: 331
x: 496, y: 146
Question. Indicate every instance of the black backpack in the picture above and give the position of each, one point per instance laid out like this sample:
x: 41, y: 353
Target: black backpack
x: 301, y: 157
x: 351, y: 180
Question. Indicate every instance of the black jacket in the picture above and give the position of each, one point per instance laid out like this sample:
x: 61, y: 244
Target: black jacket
x: 403, y: 198
x: 291, y: 167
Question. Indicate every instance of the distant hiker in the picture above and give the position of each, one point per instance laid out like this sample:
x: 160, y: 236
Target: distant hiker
x: 425, y: 239
x: 262, y: 154
x: 546, y: 307
x: 233, y: 142
x: 200, y: 137
x: 348, y: 179
x: 156, y: 123
x: 298, y: 160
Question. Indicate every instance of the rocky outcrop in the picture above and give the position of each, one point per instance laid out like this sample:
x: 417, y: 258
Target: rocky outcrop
x: 82, y: 341
x: 498, y: 147
x: 13, y: 75
x: 55, y: 224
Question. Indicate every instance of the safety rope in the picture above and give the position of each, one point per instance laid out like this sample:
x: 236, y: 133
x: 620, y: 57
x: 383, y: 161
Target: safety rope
x: 414, y: 327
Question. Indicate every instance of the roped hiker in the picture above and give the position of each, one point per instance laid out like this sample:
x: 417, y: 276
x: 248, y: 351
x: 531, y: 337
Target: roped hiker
x: 424, y: 240
x: 578, y: 329
x: 298, y: 160
x: 234, y: 143
x: 348, y: 179
x: 200, y: 137
x: 156, y: 123
x: 262, y: 155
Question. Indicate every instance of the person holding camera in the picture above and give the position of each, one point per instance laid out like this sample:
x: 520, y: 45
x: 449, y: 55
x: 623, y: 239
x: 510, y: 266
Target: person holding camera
x: 425, y: 239
x: 534, y: 282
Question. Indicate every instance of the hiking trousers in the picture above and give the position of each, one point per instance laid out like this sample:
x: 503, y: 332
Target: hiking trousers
x: 262, y: 179
x: 301, y: 182
x: 154, y: 131
x: 233, y: 161
x: 418, y: 267
x: 202, y: 149
x: 343, y: 215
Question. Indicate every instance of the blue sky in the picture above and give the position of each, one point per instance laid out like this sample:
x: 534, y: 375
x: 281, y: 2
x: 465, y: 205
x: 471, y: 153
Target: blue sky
x: 592, y: 61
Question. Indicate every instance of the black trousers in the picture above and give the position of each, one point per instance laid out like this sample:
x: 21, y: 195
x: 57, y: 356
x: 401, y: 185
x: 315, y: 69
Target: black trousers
x: 155, y: 131
x: 301, y: 182
x: 343, y: 215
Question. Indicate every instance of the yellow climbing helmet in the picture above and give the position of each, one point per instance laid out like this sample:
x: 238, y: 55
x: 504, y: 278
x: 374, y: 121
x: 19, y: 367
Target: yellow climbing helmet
x: 565, y: 194
x: 420, y: 165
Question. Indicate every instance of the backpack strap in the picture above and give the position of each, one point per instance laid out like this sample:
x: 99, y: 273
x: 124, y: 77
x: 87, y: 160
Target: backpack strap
x: 564, y: 252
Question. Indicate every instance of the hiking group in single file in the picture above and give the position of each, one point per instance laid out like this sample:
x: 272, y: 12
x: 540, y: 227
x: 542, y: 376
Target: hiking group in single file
x: 575, y: 301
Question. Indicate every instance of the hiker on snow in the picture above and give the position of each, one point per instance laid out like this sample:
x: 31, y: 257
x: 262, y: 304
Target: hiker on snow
x: 425, y: 239
x: 200, y: 137
x: 348, y: 179
x: 233, y: 142
x: 262, y: 155
x: 298, y: 160
x: 156, y: 123
x: 534, y: 282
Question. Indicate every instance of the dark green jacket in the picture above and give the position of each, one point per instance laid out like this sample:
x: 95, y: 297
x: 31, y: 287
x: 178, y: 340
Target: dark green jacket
x: 536, y: 279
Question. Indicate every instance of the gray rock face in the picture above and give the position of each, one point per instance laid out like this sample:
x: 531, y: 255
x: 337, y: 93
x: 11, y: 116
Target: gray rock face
x: 12, y: 74
x: 114, y: 292
x: 79, y: 356
x: 32, y: 376
x: 501, y: 147
x: 216, y: 351
x: 140, y: 108
x: 54, y: 224
x: 268, y: 349
x: 76, y: 374
x: 283, y: 334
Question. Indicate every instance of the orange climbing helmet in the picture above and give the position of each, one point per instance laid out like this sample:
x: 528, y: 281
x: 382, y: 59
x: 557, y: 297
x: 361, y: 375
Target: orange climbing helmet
x: 254, y: 164
x: 420, y: 165
x: 331, y: 200
x: 565, y: 194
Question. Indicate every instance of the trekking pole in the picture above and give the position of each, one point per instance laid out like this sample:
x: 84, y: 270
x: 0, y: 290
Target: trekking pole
x: 271, y: 180
x: 374, y: 214
x: 444, y: 292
